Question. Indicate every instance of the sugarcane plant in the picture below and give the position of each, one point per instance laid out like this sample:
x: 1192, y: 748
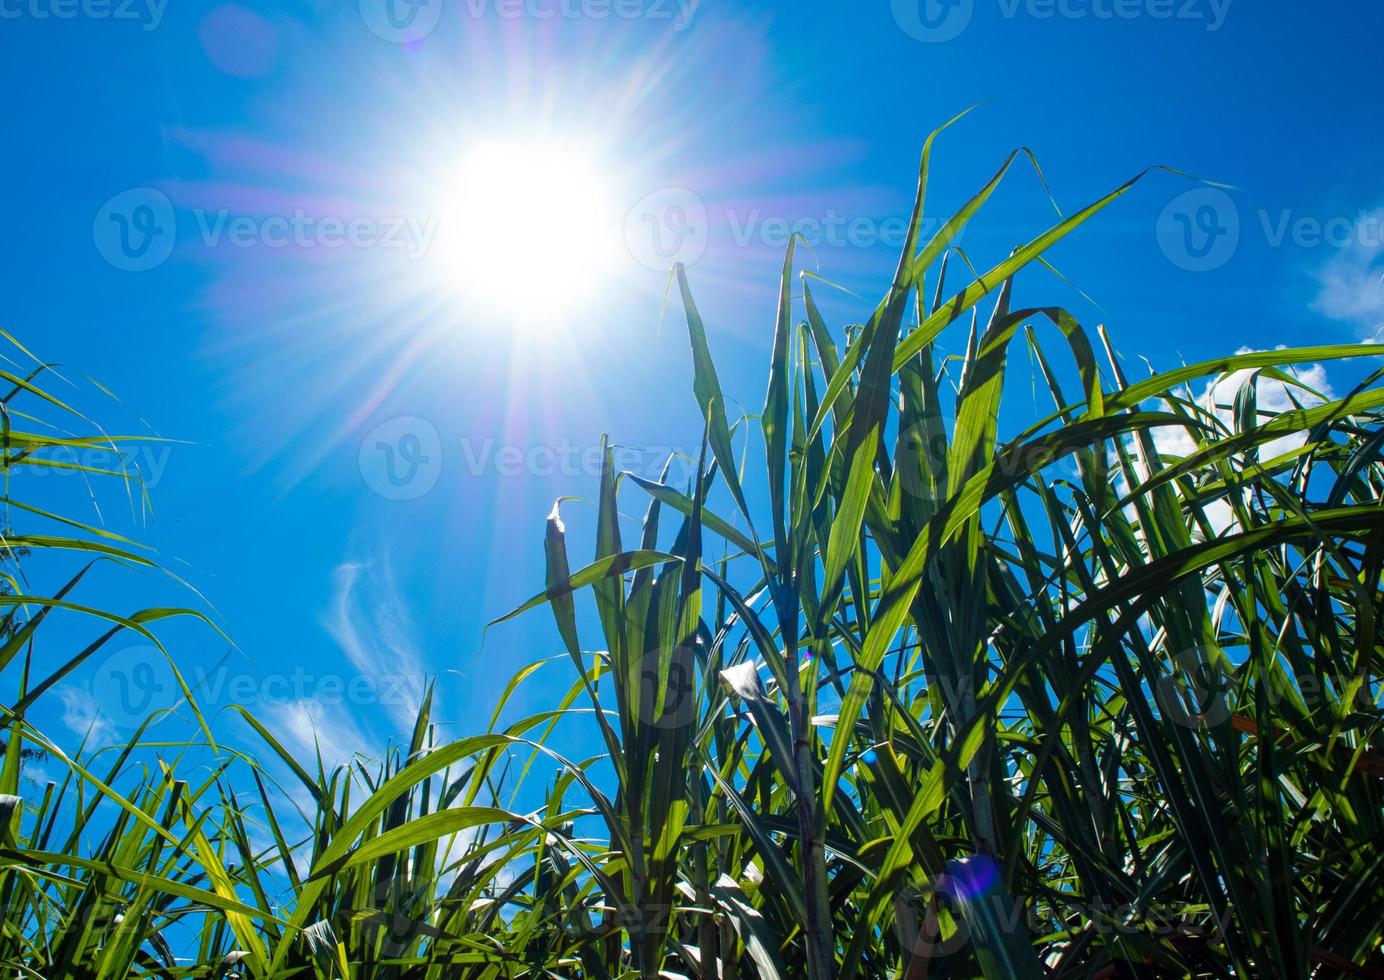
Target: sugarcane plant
x: 949, y: 687
x: 1095, y: 697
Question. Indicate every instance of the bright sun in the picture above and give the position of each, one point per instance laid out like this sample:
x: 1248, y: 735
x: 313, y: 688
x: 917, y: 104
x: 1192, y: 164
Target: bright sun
x: 530, y: 231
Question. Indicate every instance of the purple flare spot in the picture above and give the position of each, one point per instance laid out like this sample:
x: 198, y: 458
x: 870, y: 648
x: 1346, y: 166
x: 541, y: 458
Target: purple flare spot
x: 972, y: 877
x: 238, y: 41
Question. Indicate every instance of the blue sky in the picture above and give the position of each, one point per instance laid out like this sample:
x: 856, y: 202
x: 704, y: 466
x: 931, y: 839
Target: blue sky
x: 365, y: 459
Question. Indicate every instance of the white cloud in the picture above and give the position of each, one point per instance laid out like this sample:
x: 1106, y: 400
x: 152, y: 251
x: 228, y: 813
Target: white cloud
x: 1352, y: 282
x: 370, y: 620
x: 81, y: 713
x: 306, y: 727
x: 1218, y: 398
x: 375, y: 690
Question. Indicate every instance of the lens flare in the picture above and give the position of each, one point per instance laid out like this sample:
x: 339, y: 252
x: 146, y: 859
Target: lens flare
x: 529, y: 232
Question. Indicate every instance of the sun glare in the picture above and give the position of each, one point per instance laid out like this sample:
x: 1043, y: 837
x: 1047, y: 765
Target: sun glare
x: 529, y: 230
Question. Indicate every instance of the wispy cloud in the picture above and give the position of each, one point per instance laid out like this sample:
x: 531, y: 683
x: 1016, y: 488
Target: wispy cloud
x: 81, y: 713
x: 369, y: 696
x: 370, y: 620
x: 306, y: 727
x: 1351, y: 284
